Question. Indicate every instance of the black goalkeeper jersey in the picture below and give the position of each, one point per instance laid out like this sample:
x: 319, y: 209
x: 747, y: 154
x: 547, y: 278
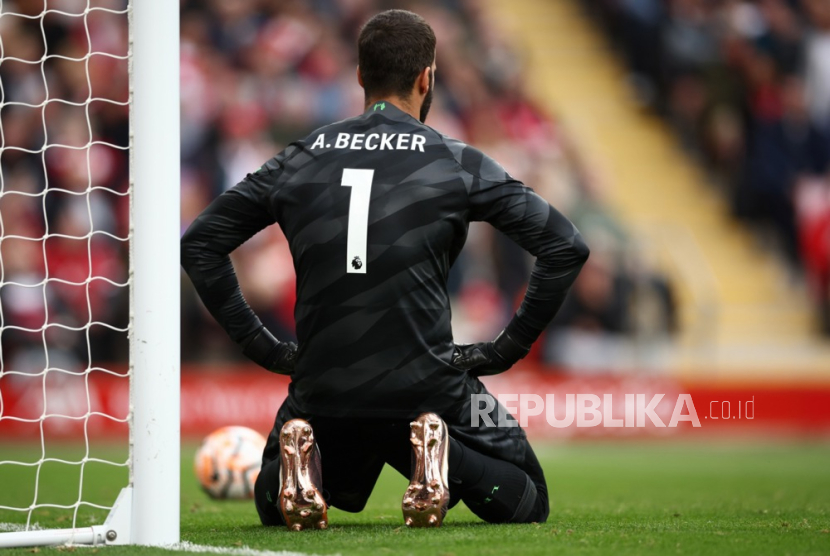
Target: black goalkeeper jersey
x: 375, y: 209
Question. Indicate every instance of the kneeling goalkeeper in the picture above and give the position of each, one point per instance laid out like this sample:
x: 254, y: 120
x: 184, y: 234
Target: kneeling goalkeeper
x: 376, y: 209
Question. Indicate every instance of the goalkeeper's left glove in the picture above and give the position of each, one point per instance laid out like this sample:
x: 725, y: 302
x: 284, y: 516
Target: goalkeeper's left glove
x: 489, y: 358
x: 268, y: 352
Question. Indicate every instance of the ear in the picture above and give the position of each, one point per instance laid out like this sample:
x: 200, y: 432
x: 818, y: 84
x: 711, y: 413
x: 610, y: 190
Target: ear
x: 359, y: 78
x: 423, y: 81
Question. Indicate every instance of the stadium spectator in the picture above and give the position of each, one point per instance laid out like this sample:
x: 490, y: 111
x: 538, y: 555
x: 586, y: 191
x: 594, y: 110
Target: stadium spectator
x: 747, y: 87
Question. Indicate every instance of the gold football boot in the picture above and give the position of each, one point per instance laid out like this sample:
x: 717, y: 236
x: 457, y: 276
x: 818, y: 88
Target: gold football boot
x: 427, y: 498
x: 301, y: 501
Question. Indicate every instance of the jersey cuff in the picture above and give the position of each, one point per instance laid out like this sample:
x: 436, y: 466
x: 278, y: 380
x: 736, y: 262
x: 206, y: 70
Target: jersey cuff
x: 514, y: 331
x: 262, y: 348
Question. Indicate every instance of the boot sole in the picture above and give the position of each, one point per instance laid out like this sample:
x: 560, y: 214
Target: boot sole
x: 425, y: 501
x: 301, y: 502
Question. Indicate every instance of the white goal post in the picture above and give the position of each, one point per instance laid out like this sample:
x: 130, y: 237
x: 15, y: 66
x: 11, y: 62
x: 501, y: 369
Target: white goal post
x: 146, y: 512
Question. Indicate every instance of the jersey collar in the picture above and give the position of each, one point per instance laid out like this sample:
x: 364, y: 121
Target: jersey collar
x: 390, y: 111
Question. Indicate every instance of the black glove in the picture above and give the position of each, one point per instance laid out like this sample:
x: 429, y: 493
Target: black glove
x: 268, y: 352
x: 489, y: 358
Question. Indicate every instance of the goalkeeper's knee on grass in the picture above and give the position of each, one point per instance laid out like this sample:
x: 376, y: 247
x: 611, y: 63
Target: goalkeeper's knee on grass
x: 494, y: 490
x: 266, y: 494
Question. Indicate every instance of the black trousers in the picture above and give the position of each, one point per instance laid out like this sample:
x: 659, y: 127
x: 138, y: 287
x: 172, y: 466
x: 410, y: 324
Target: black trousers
x: 354, y: 450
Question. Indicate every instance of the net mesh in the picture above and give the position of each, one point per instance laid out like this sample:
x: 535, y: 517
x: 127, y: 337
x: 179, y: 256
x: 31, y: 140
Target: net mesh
x: 64, y: 279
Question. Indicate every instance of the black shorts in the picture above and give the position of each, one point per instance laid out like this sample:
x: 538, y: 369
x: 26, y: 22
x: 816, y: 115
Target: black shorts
x: 354, y: 450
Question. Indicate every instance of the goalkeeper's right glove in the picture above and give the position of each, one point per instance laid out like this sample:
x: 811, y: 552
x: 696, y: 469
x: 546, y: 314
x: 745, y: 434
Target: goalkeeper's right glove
x: 489, y: 358
x: 268, y: 352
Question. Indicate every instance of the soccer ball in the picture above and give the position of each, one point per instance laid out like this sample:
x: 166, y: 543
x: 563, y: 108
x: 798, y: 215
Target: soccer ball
x: 228, y: 462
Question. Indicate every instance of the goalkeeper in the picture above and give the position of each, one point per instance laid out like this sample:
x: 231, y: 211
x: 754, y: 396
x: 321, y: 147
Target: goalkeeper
x: 376, y: 209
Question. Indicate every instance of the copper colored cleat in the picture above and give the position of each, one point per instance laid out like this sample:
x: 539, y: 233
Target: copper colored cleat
x: 427, y: 497
x: 301, y: 502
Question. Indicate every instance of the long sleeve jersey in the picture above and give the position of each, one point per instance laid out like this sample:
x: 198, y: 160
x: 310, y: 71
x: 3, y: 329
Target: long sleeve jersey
x: 376, y: 209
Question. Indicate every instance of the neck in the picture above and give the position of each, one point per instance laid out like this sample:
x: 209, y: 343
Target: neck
x: 397, y: 102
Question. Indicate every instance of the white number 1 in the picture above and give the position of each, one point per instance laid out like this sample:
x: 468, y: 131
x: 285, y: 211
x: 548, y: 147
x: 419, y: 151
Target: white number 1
x: 361, y: 183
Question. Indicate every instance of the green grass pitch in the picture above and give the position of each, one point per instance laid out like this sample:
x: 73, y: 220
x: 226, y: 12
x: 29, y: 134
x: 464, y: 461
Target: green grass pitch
x: 661, y: 497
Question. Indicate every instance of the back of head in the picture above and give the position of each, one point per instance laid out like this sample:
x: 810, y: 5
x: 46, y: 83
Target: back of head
x: 393, y: 48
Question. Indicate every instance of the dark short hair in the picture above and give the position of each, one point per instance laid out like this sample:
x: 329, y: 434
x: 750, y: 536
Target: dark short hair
x: 393, y: 48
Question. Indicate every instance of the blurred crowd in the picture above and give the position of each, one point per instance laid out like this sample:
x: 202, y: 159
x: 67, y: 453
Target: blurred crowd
x: 64, y: 175
x: 746, y: 85
x: 256, y: 75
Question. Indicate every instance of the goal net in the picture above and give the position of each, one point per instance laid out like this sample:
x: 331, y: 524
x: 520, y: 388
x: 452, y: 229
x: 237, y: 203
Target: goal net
x: 89, y: 272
